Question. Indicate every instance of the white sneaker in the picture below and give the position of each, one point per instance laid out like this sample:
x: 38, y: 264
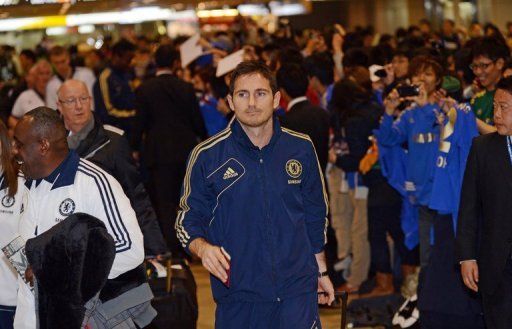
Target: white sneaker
x: 343, y: 264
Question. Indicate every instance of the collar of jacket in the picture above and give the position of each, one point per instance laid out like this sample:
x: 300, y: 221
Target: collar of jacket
x: 64, y: 174
x: 242, y: 139
x: 94, y: 139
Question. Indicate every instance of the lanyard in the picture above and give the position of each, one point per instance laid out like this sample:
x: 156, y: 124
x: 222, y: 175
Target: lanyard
x: 509, y: 146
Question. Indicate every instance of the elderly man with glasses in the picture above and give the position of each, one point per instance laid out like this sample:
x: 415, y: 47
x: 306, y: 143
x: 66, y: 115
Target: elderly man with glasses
x: 106, y: 147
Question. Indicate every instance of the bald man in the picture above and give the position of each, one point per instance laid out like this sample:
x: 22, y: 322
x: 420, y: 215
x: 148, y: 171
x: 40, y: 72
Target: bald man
x: 58, y: 184
x: 106, y: 147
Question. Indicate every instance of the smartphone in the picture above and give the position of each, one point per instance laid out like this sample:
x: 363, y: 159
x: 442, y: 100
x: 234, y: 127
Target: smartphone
x: 381, y: 73
x: 408, y: 90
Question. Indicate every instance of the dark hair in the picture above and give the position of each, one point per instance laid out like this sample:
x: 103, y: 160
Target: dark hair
x: 9, y: 165
x: 165, y: 56
x: 290, y: 55
x: 321, y: 66
x: 121, y: 47
x: 421, y: 63
x: 29, y: 53
x: 47, y: 124
x: 505, y: 84
x: 493, y: 48
x: 346, y: 95
x: 355, y: 57
x: 250, y: 68
x: 57, y: 51
x: 293, y: 79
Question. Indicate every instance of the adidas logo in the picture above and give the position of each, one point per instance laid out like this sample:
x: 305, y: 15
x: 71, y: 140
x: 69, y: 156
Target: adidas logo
x: 230, y: 173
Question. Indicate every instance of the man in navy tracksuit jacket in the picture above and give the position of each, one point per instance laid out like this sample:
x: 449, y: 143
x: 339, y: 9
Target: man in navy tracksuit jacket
x: 254, y: 209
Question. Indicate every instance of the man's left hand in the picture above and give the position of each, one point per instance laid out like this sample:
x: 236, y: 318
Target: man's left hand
x: 325, y: 290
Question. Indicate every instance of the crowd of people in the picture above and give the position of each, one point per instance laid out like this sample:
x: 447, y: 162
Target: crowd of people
x: 380, y: 124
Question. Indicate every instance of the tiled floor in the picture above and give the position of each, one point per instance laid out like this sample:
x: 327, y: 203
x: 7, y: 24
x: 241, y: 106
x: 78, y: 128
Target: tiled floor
x: 330, y: 319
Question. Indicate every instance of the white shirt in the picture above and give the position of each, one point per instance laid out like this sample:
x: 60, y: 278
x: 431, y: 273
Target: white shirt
x: 79, y: 186
x: 80, y: 73
x: 26, y: 101
x: 295, y: 101
x: 9, y: 221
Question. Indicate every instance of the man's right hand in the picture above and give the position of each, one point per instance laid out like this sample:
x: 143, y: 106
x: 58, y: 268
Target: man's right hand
x: 469, y: 272
x: 212, y: 258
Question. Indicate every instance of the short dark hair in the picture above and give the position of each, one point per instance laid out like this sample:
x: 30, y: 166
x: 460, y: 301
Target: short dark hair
x: 249, y: 68
x: 165, y: 56
x: 422, y: 62
x: 293, y: 79
x: 122, y: 46
x: 29, y: 53
x: 491, y: 47
x: 505, y: 84
x: 57, y: 51
x: 321, y: 66
x: 46, y: 123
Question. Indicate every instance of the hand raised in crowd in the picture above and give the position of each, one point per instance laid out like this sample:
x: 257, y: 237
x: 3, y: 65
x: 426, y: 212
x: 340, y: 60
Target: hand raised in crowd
x: 212, y: 258
x: 337, y: 43
x: 422, y: 98
x: 469, y: 272
x: 390, y: 74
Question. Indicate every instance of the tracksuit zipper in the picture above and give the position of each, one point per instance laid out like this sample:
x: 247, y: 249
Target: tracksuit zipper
x: 268, y: 219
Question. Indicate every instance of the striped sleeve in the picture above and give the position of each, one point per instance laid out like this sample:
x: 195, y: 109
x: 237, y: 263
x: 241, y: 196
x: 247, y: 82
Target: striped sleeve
x: 196, y: 203
x: 111, y: 205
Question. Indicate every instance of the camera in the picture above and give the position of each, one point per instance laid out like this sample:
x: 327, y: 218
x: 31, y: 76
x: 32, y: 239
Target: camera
x: 408, y: 90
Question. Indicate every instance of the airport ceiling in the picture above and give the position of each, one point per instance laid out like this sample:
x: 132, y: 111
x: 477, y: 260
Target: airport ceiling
x: 29, y: 8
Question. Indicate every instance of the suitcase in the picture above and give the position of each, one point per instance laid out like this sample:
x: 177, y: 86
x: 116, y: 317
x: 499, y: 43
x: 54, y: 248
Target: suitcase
x: 175, y: 296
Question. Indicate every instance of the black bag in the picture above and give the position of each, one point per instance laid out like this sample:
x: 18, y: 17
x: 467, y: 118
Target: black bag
x: 175, y: 298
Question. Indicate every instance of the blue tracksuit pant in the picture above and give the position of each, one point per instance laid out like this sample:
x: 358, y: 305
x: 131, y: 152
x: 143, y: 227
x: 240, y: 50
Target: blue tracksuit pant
x: 300, y: 312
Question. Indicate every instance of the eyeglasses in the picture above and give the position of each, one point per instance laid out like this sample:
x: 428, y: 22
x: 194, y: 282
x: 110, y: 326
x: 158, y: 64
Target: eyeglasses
x: 482, y: 66
x: 71, y: 101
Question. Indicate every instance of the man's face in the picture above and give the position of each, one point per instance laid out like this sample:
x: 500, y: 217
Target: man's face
x: 253, y: 101
x: 26, y: 63
x: 400, y: 66
x: 43, y: 75
x: 124, y: 60
x: 75, y: 106
x: 427, y: 78
x: 503, y: 112
x: 61, y: 64
x: 487, y: 71
x: 27, y: 150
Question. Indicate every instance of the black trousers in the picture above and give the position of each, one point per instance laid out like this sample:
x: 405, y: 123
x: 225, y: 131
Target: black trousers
x: 164, y: 188
x: 498, y: 306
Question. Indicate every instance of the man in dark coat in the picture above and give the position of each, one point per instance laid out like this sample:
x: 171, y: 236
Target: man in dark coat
x: 484, y: 231
x: 169, y: 117
x: 107, y: 147
x: 301, y: 115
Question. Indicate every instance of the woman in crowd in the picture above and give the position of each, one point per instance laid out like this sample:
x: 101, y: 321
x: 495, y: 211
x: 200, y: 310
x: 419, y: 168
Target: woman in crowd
x: 10, y: 196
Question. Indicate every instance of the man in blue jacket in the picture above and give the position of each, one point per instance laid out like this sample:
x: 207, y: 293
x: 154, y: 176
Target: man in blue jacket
x: 254, y: 209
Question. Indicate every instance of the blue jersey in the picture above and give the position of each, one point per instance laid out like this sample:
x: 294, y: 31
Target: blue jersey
x: 458, y: 132
x: 393, y: 162
x: 418, y: 128
x: 214, y: 121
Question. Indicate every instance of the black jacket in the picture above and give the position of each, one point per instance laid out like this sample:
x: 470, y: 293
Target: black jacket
x: 313, y: 121
x: 168, y: 114
x: 357, y: 125
x: 484, y: 228
x: 110, y: 150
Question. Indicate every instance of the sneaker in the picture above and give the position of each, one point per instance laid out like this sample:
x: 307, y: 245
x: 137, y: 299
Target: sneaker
x: 343, y: 264
x: 408, y: 314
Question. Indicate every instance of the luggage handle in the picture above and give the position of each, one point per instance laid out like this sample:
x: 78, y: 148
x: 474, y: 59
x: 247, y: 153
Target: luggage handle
x: 344, y: 298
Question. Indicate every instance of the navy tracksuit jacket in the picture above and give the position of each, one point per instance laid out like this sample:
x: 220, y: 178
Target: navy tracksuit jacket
x: 267, y: 208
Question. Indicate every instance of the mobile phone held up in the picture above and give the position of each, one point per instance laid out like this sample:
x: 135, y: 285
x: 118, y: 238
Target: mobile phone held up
x: 408, y: 90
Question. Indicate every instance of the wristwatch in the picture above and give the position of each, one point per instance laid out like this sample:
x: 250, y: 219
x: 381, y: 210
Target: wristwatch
x: 322, y: 274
